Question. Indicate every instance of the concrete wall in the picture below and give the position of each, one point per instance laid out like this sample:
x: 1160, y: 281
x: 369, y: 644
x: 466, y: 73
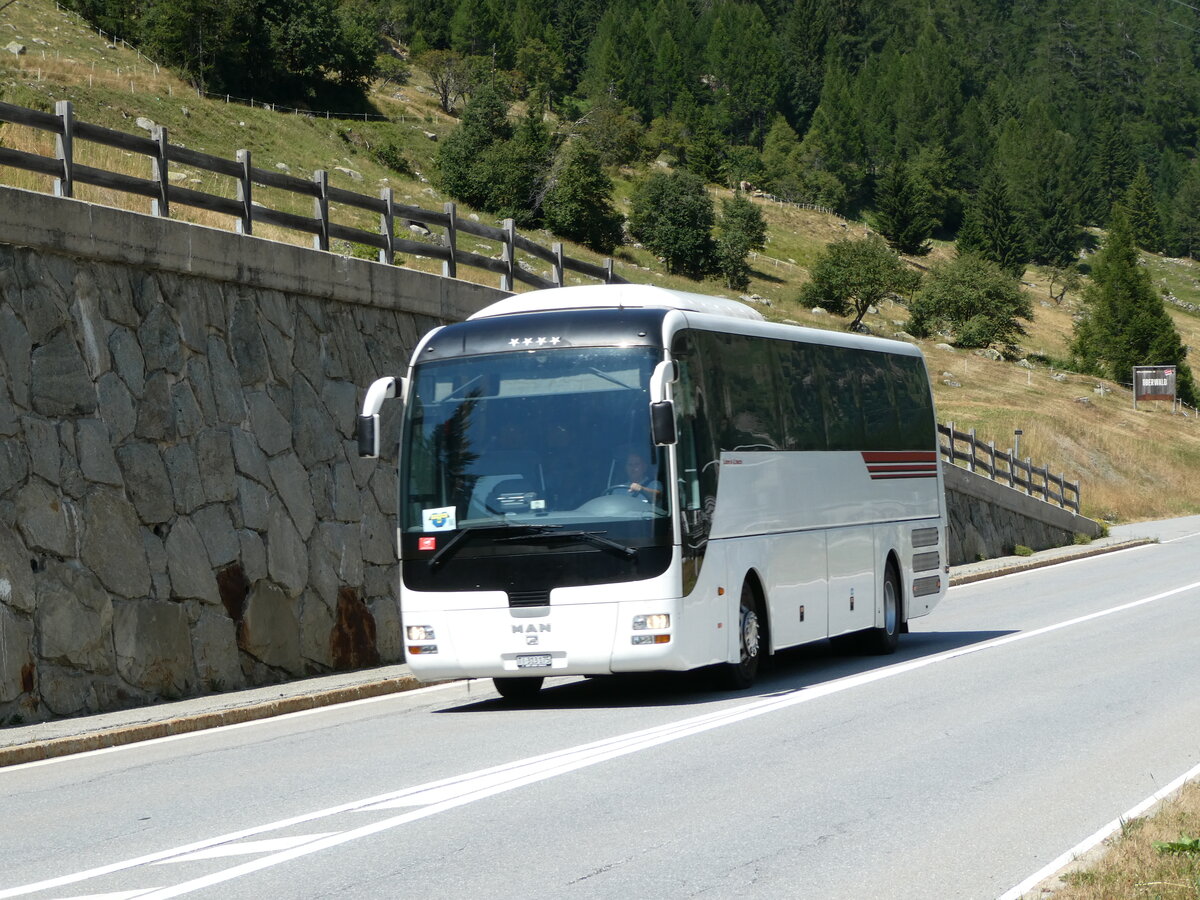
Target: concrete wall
x: 182, y: 508
x: 988, y: 519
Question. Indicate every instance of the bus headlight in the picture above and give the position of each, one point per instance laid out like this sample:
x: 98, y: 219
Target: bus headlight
x: 651, y: 639
x: 654, y: 622
x: 422, y: 649
x: 420, y: 633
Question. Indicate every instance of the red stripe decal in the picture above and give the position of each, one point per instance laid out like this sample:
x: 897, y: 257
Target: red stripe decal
x: 899, y: 456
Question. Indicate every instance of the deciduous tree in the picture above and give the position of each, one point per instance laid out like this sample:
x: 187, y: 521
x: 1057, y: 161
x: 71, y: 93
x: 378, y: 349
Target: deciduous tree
x: 851, y: 275
x: 973, y: 296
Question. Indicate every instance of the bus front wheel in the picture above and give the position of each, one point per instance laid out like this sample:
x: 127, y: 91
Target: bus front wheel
x: 518, y: 688
x: 741, y: 674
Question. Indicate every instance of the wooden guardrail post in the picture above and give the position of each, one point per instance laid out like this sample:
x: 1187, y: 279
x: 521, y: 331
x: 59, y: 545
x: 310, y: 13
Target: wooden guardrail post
x: 450, y: 265
x: 162, y: 206
x: 509, y: 254
x: 244, y: 194
x: 387, y: 226
x: 559, y: 271
x: 64, y: 149
x: 971, y: 456
x: 321, y: 209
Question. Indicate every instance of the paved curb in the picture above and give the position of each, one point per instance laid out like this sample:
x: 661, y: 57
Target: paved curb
x: 1031, y: 563
x: 143, y: 731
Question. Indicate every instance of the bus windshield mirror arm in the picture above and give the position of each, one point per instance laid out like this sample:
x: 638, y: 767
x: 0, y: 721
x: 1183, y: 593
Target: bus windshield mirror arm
x: 368, y: 423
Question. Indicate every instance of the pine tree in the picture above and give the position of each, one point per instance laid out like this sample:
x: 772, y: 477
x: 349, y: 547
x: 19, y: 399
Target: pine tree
x: 1185, y: 214
x: 1055, y: 234
x: 578, y: 203
x: 992, y: 228
x: 1125, y: 323
x: 1142, y: 210
x: 902, y: 213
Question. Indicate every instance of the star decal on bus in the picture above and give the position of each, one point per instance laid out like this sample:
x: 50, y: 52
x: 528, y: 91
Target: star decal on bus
x: 529, y: 341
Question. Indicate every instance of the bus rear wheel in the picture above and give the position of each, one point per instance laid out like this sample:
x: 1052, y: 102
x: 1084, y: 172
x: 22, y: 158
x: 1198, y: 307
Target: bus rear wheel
x: 884, y: 639
x: 741, y: 674
x: 518, y: 688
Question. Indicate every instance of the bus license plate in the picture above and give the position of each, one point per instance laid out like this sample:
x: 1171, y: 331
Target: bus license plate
x: 533, y: 661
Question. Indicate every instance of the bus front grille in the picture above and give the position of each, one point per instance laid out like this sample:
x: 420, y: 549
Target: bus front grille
x: 529, y: 598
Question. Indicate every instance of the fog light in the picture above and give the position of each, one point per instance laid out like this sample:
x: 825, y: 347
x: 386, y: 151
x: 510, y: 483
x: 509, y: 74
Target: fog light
x: 422, y: 649
x: 420, y: 633
x: 655, y: 622
x: 651, y: 639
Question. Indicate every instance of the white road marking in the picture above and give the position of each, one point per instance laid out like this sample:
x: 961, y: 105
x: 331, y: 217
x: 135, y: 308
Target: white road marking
x: 282, y: 717
x: 246, y: 848
x: 1181, y: 538
x: 500, y: 779
x: 118, y: 895
x: 1089, y: 842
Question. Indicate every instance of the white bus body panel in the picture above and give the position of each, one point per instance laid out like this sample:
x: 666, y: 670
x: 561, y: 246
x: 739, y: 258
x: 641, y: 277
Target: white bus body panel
x: 478, y: 635
x: 807, y: 525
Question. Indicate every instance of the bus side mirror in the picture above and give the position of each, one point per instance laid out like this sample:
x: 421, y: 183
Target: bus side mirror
x: 368, y: 423
x: 662, y: 422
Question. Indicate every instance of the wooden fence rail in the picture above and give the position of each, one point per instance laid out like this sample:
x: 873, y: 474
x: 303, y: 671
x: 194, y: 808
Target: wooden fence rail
x: 1000, y: 465
x: 158, y: 188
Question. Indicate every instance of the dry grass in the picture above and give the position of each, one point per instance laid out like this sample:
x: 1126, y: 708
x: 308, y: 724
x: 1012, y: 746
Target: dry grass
x: 1129, y: 866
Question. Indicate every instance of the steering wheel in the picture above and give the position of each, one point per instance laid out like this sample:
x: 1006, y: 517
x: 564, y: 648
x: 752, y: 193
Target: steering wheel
x: 617, y: 489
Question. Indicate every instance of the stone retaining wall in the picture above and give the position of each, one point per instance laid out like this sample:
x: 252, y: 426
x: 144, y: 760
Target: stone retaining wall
x: 987, y: 519
x: 182, y: 507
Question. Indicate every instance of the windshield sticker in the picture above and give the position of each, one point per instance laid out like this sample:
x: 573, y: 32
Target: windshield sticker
x: 426, y: 543
x: 438, y: 519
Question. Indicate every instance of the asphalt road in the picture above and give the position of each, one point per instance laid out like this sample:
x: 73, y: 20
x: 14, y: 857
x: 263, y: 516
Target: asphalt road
x: 1023, y: 714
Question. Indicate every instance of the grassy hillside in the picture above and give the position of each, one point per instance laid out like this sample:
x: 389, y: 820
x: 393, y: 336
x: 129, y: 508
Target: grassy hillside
x: 1132, y: 464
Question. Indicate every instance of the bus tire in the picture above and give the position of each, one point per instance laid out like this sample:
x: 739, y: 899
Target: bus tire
x: 518, y: 688
x: 883, y: 640
x: 740, y: 675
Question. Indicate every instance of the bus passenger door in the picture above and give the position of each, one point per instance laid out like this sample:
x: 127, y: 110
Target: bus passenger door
x: 851, y: 554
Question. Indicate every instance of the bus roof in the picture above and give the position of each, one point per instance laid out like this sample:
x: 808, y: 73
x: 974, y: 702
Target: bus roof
x: 598, y: 296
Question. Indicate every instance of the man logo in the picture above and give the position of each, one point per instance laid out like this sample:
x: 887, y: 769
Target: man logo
x: 530, y: 629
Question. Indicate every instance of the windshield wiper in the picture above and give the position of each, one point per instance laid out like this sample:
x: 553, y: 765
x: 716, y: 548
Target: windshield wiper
x: 460, y: 536
x: 595, y: 538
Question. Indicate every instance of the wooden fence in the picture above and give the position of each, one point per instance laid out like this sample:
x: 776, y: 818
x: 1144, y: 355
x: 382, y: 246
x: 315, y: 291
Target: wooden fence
x: 158, y: 189
x: 1004, y: 466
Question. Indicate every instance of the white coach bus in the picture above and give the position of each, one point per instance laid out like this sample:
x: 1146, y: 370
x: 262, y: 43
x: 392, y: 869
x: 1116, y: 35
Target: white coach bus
x: 622, y: 478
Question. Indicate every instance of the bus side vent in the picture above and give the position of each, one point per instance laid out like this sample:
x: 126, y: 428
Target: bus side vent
x: 528, y: 598
x: 925, y: 562
x: 924, y: 537
x: 929, y: 585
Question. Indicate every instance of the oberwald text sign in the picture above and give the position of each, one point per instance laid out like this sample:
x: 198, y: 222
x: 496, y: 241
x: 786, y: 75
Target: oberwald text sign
x: 1154, y: 383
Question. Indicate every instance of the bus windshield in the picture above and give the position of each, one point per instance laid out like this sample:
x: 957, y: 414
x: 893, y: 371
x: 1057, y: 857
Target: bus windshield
x: 550, y: 437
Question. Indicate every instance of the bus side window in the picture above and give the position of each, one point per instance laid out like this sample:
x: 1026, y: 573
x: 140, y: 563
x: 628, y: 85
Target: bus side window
x: 882, y: 430
x: 843, y: 398
x: 803, y: 415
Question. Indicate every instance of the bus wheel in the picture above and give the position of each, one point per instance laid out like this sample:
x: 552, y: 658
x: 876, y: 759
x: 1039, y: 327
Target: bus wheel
x: 740, y: 675
x: 884, y: 639
x: 518, y: 688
